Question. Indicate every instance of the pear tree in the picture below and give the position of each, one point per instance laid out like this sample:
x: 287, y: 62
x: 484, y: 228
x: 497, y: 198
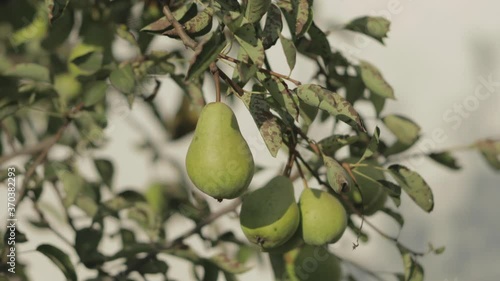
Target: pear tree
x: 63, y: 61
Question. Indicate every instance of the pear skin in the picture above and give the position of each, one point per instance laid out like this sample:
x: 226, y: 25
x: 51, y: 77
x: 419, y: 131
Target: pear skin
x: 219, y: 161
x: 323, y: 216
x: 270, y: 216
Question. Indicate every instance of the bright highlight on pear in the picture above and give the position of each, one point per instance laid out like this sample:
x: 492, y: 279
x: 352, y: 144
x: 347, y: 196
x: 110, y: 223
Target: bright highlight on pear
x: 324, y: 219
x: 219, y: 161
x: 270, y: 216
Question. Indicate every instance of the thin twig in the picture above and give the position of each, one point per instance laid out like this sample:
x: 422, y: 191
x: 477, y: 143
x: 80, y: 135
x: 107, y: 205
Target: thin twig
x: 304, y: 180
x: 188, y: 41
x: 28, y: 150
x: 43, y: 155
x: 215, y: 72
x: 232, y: 84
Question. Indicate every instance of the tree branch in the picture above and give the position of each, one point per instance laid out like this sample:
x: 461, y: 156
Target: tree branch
x: 45, y: 151
x: 28, y: 150
x: 188, y: 41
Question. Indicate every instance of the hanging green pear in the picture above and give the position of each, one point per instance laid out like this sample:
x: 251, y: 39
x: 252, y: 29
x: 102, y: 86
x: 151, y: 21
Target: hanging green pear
x: 270, y: 216
x: 323, y: 217
x: 219, y: 161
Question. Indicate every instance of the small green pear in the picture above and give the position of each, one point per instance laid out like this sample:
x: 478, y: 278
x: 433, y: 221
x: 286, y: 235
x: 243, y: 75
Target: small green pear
x: 323, y: 216
x: 373, y: 194
x: 269, y: 215
x: 314, y: 263
x: 219, y: 161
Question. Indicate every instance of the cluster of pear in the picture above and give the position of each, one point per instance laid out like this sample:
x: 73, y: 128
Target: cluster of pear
x: 220, y: 164
x: 271, y: 218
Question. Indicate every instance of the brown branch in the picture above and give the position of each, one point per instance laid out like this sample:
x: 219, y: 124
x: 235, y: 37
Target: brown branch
x: 215, y: 73
x: 232, y: 84
x: 188, y: 41
x: 45, y: 151
x: 28, y: 150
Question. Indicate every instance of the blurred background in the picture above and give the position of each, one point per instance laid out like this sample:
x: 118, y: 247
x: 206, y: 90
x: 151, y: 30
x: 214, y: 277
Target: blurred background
x: 436, y: 57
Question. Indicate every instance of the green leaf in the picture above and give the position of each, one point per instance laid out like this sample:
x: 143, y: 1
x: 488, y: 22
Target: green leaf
x: 330, y: 145
x: 331, y: 102
x: 395, y: 215
x: 85, y: 59
x: 267, y: 123
x: 490, y: 149
x: 123, y: 79
x: 414, y: 185
x: 210, y: 271
x: 95, y: 93
x: 405, y: 130
x: 372, y: 147
x: 86, y: 246
x: 307, y: 112
x: 34, y: 30
x: 445, y: 158
x: 87, y: 204
x: 256, y: 9
x: 303, y: 16
x: 318, y: 45
x: 31, y: 71
x: 229, y: 5
x: 439, y: 250
x: 393, y: 190
x: 200, y: 25
x: 124, y: 33
x: 272, y: 28
x: 230, y: 276
x: 123, y: 200
x: 153, y: 266
x: 205, y: 54
x: 106, y: 170
x: 73, y: 185
x: 280, y: 92
x: 378, y: 102
x: 182, y: 14
x: 374, y: 80
x: 60, y: 259
x: 375, y: 27
x: 289, y: 50
x: 56, y: 8
x: 248, y: 40
x: 413, y: 270
x: 354, y: 88
x: 336, y: 175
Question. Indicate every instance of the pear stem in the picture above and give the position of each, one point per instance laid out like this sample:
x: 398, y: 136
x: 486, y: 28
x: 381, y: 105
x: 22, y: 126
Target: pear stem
x: 215, y: 72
